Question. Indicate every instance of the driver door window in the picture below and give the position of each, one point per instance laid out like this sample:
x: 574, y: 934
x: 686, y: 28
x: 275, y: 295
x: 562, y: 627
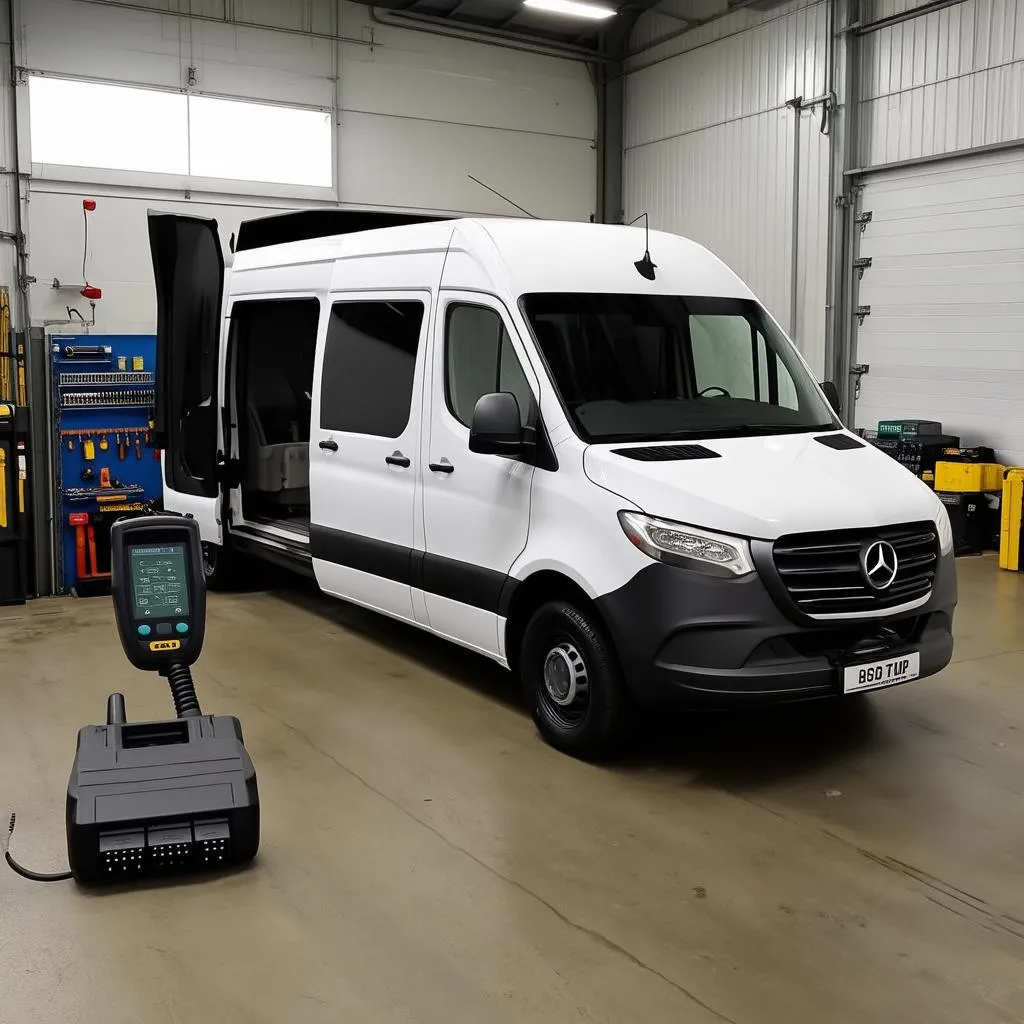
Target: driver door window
x: 479, y: 360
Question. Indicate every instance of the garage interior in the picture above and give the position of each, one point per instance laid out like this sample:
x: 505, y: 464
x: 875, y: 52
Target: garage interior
x: 425, y: 856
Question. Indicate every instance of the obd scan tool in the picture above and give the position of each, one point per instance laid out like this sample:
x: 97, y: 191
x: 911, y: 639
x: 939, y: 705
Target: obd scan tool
x: 157, y: 798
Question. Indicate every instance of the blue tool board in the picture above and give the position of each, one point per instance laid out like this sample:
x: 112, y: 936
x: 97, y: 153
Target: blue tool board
x: 103, y: 391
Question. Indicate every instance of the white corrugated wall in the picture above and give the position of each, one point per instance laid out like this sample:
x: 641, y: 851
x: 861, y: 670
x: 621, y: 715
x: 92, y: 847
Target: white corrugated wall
x: 945, y: 337
x: 709, y: 140
x: 709, y: 151
x: 942, y: 82
x: 945, y: 287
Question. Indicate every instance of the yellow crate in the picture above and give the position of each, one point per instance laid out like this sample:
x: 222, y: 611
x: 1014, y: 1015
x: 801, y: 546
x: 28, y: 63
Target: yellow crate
x: 970, y: 477
x: 1010, y: 524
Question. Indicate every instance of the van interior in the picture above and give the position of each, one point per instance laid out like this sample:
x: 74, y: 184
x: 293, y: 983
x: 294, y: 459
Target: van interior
x: 273, y: 344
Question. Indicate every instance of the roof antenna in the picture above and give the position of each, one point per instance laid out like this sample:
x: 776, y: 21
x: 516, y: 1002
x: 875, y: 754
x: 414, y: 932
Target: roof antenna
x: 500, y: 196
x: 645, y: 267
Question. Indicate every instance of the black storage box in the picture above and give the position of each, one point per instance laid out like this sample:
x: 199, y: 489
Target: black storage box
x: 970, y: 518
x: 919, y: 456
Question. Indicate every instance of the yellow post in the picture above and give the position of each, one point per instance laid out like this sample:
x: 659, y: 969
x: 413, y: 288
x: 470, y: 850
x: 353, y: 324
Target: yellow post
x: 3, y: 489
x: 22, y: 389
x: 1010, y: 525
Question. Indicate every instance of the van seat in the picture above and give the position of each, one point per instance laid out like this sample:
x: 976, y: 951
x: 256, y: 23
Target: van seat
x: 280, y: 471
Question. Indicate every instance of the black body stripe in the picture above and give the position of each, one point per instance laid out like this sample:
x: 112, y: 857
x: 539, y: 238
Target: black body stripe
x: 462, y: 582
x: 469, y: 584
x: 377, y: 557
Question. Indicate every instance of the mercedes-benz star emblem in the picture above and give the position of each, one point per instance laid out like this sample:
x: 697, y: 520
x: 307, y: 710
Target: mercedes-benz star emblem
x: 879, y: 563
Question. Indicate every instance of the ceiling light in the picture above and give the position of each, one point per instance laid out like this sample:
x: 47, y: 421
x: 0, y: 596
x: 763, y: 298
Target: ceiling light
x: 574, y: 8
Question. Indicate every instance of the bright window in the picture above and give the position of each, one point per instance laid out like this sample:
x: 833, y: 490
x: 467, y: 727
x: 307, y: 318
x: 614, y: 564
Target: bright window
x: 85, y: 124
x: 259, y: 142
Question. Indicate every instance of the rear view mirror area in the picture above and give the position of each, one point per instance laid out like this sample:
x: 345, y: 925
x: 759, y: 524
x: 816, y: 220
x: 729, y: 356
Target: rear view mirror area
x: 497, y: 427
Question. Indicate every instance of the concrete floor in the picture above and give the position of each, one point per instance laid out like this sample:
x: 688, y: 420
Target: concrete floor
x: 426, y: 858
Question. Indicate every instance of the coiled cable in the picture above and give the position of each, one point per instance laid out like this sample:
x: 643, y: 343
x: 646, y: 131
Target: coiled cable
x: 186, y: 703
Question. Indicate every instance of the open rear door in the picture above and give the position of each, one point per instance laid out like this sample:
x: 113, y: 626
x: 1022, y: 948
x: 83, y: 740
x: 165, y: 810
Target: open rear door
x: 188, y: 265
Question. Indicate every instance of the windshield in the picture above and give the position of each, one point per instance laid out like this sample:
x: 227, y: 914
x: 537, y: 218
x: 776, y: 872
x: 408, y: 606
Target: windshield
x: 643, y: 367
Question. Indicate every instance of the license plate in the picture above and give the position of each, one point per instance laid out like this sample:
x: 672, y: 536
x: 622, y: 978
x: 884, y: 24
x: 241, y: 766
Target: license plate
x: 881, y: 673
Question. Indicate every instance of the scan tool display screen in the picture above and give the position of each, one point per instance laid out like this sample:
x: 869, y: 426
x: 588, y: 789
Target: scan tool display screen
x: 159, y: 581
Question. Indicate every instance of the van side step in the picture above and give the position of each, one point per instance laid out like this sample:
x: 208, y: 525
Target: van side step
x: 277, y: 550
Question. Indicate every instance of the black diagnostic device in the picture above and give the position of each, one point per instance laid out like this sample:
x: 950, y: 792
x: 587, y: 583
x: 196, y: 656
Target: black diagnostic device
x: 159, y: 590
x: 153, y: 798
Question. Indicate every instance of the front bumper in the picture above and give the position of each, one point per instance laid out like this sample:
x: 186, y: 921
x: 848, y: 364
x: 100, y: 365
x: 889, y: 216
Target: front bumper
x: 682, y: 634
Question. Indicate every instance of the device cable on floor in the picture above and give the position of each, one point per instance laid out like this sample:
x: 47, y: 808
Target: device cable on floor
x: 32, y: 876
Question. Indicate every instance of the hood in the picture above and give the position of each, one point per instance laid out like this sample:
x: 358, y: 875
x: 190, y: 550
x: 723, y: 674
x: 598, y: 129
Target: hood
x: 767, y: 487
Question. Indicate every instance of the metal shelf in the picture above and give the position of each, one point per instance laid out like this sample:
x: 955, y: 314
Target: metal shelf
x: 129, y: 399
x: 93, y: 493
x: 111, y: 377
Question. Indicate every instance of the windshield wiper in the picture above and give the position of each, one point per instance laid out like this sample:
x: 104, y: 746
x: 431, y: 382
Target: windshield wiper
x: 778, y: 428
x: 725, y: 430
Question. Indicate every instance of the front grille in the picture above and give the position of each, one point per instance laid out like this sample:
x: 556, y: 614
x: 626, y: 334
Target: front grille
x: 822, y: 572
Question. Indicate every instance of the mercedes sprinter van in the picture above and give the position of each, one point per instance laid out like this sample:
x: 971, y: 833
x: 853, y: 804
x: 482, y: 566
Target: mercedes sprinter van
x: 606, y: 469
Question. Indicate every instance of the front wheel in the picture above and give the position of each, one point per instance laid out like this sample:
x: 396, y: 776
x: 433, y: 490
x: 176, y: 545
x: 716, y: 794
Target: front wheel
x: 573, y: 681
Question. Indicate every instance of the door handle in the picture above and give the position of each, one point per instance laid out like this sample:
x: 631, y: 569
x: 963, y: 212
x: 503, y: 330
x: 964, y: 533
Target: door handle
x: 398, y: 459
x: 329, y: 446
x: 441, y: 467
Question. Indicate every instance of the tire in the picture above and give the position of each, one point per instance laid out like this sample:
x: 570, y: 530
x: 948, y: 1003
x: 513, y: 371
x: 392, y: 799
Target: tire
x: 223, y: 568
x: 573, y: 682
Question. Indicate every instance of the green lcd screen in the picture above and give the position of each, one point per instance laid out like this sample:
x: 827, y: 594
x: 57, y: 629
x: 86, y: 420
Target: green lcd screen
x: 159, y: 581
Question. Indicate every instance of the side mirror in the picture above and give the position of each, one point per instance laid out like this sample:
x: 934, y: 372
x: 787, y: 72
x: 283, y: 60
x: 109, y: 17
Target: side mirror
x: 496, y: 428
x: 832, y: 394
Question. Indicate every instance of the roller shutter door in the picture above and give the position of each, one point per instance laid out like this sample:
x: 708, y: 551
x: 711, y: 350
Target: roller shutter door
x: 944, y: 338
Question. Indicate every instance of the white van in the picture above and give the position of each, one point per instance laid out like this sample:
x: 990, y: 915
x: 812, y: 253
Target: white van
x: 613, y: 475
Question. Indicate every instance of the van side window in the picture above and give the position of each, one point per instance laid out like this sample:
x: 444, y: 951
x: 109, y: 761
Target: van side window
x: 479, y: 360
x: 369, y: 364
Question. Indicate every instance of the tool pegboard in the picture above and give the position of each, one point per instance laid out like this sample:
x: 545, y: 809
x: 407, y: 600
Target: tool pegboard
x: 104, y: 387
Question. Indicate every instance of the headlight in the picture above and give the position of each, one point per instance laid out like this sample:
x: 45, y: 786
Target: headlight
x: 945, y: 530
x: 688, y: 547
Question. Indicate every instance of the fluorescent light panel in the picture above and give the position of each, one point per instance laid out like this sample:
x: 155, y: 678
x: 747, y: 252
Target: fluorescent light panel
x: 574, y: 8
